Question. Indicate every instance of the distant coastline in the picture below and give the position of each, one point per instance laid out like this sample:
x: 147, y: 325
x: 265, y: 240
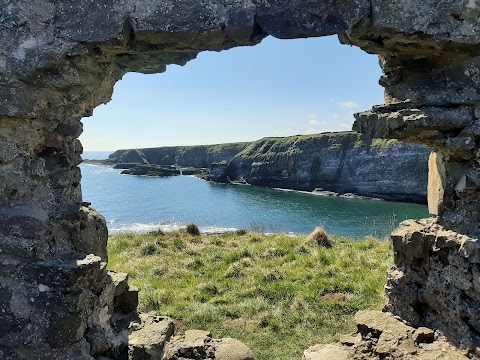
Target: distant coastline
x: 344, y: 164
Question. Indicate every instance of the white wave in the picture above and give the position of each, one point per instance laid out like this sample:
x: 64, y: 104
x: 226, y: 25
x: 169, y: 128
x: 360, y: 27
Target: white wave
x: 141, y: 228
x: 213, y: 230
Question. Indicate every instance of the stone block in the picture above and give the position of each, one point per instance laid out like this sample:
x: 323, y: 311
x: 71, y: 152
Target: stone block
x: 232, y: 349
x: 64, y: 329
x: 72, y: 274
x: 436, y: 183
x: 148, y: 342
x: 94, y: 233
x: 326, y: 352
x: 120, y: 282
x: 424, y: 335
x: 127, y: 301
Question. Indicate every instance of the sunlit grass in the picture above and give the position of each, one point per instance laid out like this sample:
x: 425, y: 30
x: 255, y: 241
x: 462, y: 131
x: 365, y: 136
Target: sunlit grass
x: 278, y: 294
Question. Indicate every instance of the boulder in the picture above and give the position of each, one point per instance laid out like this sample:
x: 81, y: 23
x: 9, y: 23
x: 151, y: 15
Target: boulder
x: 148, y: 340
x: 199, y: 345
x: 381, y: 336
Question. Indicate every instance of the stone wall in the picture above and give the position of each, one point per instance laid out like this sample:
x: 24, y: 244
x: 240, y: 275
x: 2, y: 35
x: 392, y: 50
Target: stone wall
x: 60, y: 59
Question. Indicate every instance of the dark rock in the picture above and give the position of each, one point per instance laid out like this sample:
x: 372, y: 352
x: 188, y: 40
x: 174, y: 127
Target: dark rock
x: 276, y: 18
x: 64, y: 329
x: 218, y: 172
x: 69, y: 274
x: 152, y: 170
x: 127, y: 301
x: 74, y: 130
x: 98, y: 341
x: 10, y: 322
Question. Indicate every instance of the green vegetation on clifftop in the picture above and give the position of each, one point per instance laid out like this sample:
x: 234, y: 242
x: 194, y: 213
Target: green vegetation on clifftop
x: 278, y: 294
x: 343, y: 139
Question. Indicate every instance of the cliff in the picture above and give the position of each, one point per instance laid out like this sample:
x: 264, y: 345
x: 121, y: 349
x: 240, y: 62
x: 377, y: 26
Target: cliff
x: 345, y: 162
x: 200, y: 156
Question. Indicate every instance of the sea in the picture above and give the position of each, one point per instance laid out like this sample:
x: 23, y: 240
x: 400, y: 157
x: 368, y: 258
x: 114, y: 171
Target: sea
x: 141, y: 204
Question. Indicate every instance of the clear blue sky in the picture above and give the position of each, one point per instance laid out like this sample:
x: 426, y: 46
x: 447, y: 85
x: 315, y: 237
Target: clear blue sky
x: 277, y: 88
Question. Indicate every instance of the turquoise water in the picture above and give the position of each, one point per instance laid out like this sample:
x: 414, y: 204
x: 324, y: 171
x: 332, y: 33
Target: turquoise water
x: 133, y: 203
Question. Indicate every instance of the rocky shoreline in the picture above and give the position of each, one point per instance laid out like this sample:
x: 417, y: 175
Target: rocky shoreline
x: 323, y: 192
x: 151, y: 169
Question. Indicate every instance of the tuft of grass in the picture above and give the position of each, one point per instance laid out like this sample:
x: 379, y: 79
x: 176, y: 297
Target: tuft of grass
x: 241, y: 232
x: 273, y: 292
x: 320, y: 237
x: 193, y: 230
x: 148, y: 249
x: 156, y: 233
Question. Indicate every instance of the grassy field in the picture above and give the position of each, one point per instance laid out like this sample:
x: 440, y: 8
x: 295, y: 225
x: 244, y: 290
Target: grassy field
x: 278, y: 294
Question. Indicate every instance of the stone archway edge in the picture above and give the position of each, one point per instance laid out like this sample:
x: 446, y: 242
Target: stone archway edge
x: 60, y: 59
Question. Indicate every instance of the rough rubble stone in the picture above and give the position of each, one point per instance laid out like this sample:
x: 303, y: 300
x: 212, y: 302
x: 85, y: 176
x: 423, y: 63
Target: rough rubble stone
x: 231, y: 349
x: 147, y: 342
x: 199, y: 345
x: 323, y: 352
x: 433, y: 282
x: 436, y: 183
x: 383, y: 336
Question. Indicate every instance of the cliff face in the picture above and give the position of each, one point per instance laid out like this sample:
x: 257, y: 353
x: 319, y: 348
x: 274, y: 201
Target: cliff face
x: 342, y: 162
x: 201, y: 156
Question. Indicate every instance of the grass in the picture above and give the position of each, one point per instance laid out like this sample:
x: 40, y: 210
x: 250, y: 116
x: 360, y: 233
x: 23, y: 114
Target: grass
x: 277, y: 294
x: 274, y: 146
x: 320, y: 237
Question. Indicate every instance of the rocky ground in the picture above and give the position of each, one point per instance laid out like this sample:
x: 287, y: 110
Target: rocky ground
x: 382, y: 336
x: 152, y: 338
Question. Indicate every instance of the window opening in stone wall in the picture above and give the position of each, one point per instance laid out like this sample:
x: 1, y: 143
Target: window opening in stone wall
x: 277, y: 115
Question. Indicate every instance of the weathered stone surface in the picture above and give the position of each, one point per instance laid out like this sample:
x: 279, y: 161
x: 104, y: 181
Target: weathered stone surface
x: 231, y: 349
x: 436, y: 183
x: 94, y: 233
x: 382, y: 336
x: 199, y: 345
x: 324, y: 352
x: 120, y: 282
x: 192, y: 335
x: 433, y: 282
x: 148, y: 341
